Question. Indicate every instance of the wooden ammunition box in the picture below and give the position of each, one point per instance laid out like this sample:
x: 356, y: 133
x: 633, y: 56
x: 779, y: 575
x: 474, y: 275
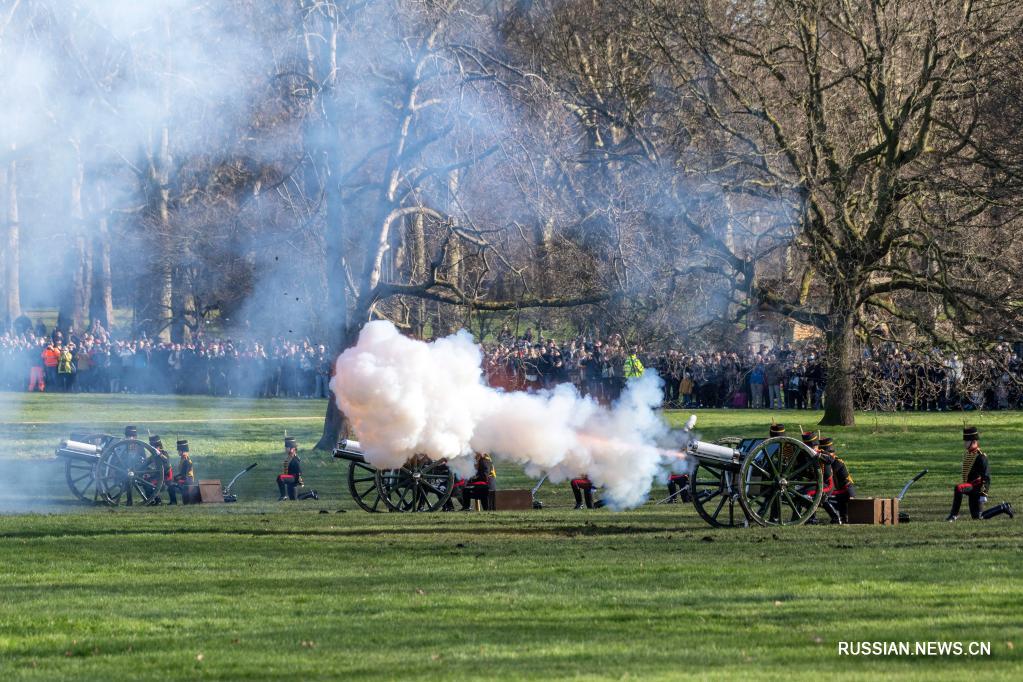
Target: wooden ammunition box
x: 211, y: 491
x: 878, y: 511
x: 513, y: 500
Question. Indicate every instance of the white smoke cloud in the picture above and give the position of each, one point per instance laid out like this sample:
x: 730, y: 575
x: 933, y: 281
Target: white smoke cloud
x: 406, y: 397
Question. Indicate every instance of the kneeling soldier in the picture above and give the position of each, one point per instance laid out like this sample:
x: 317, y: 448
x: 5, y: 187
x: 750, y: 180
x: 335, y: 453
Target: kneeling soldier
x: 483, y: 485
x: 185, y: 478
x: 976, y: 481
x: 678, y: 488
x: 582, y: 487
x: 292, y: 475
x: 811, y: 439
x: 843, y: 489
x: 168, y: 472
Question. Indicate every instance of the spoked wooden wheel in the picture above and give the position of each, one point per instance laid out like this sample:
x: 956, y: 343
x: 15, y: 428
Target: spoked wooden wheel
x: 130, y: 471
x: 419, y: 486
x: 362, y: 484
x: 716, y: 494
x: 81, y: 479
x: 780, y: 482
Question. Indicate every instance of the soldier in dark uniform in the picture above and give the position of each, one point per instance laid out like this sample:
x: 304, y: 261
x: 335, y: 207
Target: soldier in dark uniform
x: 678, y: 488
x: 291, y: 477
x: 582, y: 489
x: 483, y: 484
x: 185, y: 477
x: 811, y: 439
x: 976, y: 481
x: 131, y: 433
x: 168, y: 471
x: 777, y: 431
x: 842, y: 488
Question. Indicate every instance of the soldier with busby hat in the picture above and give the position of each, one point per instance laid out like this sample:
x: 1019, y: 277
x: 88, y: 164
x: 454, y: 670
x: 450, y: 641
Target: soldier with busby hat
x: 291, y: 477
x: 168, y: 472
x: 185, y: 477
x: 842, y: 488
x: 976, y: 481
x: 812, y: 440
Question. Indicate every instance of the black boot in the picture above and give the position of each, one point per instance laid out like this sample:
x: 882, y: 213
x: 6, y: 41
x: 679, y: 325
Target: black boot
x: 1003, y: 508
x: 832, y: 512
x: 957, y: 501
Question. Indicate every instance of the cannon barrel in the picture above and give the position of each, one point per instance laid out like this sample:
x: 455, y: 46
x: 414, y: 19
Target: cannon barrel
x: 718, y: 453
x: 76, y: 450
x: 703, y: 450
x: 350, y: 450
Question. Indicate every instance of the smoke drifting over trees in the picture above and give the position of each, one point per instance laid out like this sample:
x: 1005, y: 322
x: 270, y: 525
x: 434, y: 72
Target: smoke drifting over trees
x: 305, y: 166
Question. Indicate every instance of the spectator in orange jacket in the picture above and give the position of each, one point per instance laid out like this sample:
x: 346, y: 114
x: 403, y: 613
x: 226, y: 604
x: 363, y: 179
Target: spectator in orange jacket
x: 51, y: 357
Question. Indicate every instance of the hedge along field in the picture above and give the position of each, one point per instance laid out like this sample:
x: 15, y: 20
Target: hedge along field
x: 267, y: 590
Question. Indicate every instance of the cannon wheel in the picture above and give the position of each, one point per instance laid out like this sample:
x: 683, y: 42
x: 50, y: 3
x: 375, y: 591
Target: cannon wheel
x: 80, y: 474
x: 715, y: 492
x: 420, y: 485
x: 81, y: 479
x: 362, y: 484
x: 775, y: 478
x: 129, y: 469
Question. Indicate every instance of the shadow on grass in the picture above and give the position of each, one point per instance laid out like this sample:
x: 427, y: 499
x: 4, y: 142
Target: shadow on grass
x: 447, y: 529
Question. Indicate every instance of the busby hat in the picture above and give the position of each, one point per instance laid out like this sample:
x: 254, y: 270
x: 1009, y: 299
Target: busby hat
x: 155, y: 441
x: 290, y: 442
x: 827, y: 444
x: 777, y: 430
x: 810, y: 438
x: 971, y: 433
x: 131, y: 432
x: 182, y: 445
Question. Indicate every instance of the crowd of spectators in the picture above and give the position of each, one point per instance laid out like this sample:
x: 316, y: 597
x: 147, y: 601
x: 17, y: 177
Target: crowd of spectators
x: 94, y: 362
x: 789, y: 376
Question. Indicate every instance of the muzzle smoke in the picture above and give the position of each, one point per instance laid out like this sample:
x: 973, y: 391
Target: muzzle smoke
x: 405, y: 397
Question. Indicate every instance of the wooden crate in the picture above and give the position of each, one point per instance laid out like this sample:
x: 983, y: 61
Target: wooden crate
x: 877, y: 511
x: 513, y: 500
x: 211, y: 492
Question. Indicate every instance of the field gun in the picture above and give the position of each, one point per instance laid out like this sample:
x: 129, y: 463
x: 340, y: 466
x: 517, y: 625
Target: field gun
x: 421, y: 484
x: 741, y: 481
x: 104, y: 468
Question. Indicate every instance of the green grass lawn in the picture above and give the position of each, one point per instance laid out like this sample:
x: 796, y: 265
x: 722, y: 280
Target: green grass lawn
x: 262, y: 589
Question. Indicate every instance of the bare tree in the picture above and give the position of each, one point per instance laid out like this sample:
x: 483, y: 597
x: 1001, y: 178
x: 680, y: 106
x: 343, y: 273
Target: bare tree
x: 859, y: 121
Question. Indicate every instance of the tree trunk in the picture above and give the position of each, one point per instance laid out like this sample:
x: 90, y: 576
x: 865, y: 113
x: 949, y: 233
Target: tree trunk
x: 838, y: 396
x: 5, y: 316
x: 447, y: 323
x: 102, y: 306
x: 336, y: 314
x: 180, y: 304
x: 11, y: 303
x: 543, y: 229
x: 74, y: 306
x: 417, y: 314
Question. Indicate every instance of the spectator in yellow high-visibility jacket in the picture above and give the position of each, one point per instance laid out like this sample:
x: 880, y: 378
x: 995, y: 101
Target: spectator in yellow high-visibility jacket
x: 632, y: 367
